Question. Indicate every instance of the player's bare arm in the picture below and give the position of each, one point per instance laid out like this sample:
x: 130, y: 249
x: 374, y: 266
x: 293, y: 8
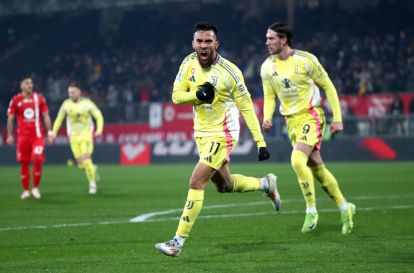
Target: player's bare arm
x: 48, y: 125
x: 10, y: 121
x: 267, y: 125
x: 336, y: 126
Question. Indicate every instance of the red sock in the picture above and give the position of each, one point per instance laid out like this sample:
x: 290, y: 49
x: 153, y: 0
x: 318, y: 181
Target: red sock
x: 37, y: 172
x: 24, y: 175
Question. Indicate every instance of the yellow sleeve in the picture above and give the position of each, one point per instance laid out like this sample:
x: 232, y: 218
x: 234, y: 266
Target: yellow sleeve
x: 321, y: 78
x: 59, y: 119
x: 245, y: 104
x: 181, y: 94
x: 96, y: 113
x: 269, y: 96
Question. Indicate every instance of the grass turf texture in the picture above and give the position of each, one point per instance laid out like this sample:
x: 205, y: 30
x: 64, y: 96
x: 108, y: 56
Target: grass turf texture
x: 247, y: 237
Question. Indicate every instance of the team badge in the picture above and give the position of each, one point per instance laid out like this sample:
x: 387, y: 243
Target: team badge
x: 28, y: 113
x: 214, y: 80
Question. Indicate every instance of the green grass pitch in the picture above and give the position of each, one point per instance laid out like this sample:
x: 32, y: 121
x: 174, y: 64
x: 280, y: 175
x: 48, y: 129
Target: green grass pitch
x: 70, y: 231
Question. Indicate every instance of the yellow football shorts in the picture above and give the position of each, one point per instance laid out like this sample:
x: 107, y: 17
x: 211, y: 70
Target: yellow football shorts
x: 307, y: 127
x: 215, y: 151
x: 81, y: 145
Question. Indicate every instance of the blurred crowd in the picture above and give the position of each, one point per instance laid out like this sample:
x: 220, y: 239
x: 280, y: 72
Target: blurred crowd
x: 134, y: 56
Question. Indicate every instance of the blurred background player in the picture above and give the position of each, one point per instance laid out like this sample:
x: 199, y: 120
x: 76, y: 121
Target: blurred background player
x: 216, y: 88
x: 79, y: 126
x: 28, y: 106
x: 294, y: 76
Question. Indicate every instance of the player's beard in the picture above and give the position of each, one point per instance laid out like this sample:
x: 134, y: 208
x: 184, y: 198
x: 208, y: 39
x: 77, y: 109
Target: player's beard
x: 207, y: 59
x: 28, y: 91
x: 276, y: 49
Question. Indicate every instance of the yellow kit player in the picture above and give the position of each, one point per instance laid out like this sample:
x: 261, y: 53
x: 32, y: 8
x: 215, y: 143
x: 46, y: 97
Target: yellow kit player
x: 79, y: 125
x: 216, y: 89
x: 294, y: 77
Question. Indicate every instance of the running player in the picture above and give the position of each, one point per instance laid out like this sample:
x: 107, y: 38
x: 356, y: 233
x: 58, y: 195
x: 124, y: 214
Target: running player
x: 294, y: 77
x: 79, y: 126
x: 216, y: 89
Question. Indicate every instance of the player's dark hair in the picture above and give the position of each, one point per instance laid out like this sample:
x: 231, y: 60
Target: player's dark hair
x: 204, y: 26
x: 283, y: 29
x: 25, y: 77
x: 76, y: 85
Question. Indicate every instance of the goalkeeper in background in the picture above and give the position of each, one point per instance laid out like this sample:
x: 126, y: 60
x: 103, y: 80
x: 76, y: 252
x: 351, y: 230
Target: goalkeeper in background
x: 79, y: 125
x: 216, y: 89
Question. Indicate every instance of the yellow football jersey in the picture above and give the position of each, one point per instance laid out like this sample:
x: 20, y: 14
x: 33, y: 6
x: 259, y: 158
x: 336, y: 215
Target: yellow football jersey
x: 221, y: 117
x: 295, y: 82
x: 79, y: 117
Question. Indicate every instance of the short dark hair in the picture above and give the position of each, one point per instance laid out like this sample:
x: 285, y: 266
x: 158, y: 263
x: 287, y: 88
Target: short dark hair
x: 76, y: 85
x: 283, y: 29
x: 25, y: 77
x: 205, y: 26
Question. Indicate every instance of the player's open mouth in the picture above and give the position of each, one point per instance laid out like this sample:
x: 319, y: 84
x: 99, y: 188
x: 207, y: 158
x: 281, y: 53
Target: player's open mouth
x: 203, y: 55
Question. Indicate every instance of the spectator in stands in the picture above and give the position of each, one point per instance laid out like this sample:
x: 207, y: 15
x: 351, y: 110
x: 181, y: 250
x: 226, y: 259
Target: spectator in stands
x: 354, y: 56
x: 398, y: 124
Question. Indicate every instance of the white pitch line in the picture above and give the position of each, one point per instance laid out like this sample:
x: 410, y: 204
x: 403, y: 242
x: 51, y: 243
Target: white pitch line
x: 63, y: 225
x: 147, y: 216
x: 143, y: 218
x: 233, y: 215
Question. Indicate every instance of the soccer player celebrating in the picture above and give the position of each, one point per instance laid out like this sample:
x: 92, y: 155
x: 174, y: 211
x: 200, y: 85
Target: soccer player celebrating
x: 79, y: 112
x: 294, y: 77
x: 216, y: 89
x: 28, y: 106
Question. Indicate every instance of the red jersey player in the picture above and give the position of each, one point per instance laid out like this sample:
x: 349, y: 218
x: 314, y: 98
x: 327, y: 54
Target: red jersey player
x: 28, y: 106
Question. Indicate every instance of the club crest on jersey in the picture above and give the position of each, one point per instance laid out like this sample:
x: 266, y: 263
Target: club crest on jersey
x: 296, y: 69
x: 193, y: 70
x: 214, y: 80
x: 28, y: 113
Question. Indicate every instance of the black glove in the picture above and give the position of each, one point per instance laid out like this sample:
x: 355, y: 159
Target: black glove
x: 263, y: 154
x: 205, y: 92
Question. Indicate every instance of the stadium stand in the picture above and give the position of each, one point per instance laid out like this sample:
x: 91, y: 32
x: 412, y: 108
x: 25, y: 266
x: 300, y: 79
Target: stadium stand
x: 127, y: 56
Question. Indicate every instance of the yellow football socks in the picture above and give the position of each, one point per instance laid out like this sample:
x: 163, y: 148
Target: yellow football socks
x: 299, y: 163
x: 329, y: 183
x: 191, y: 210
x: 245, y: 183
x: 89, y: 170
